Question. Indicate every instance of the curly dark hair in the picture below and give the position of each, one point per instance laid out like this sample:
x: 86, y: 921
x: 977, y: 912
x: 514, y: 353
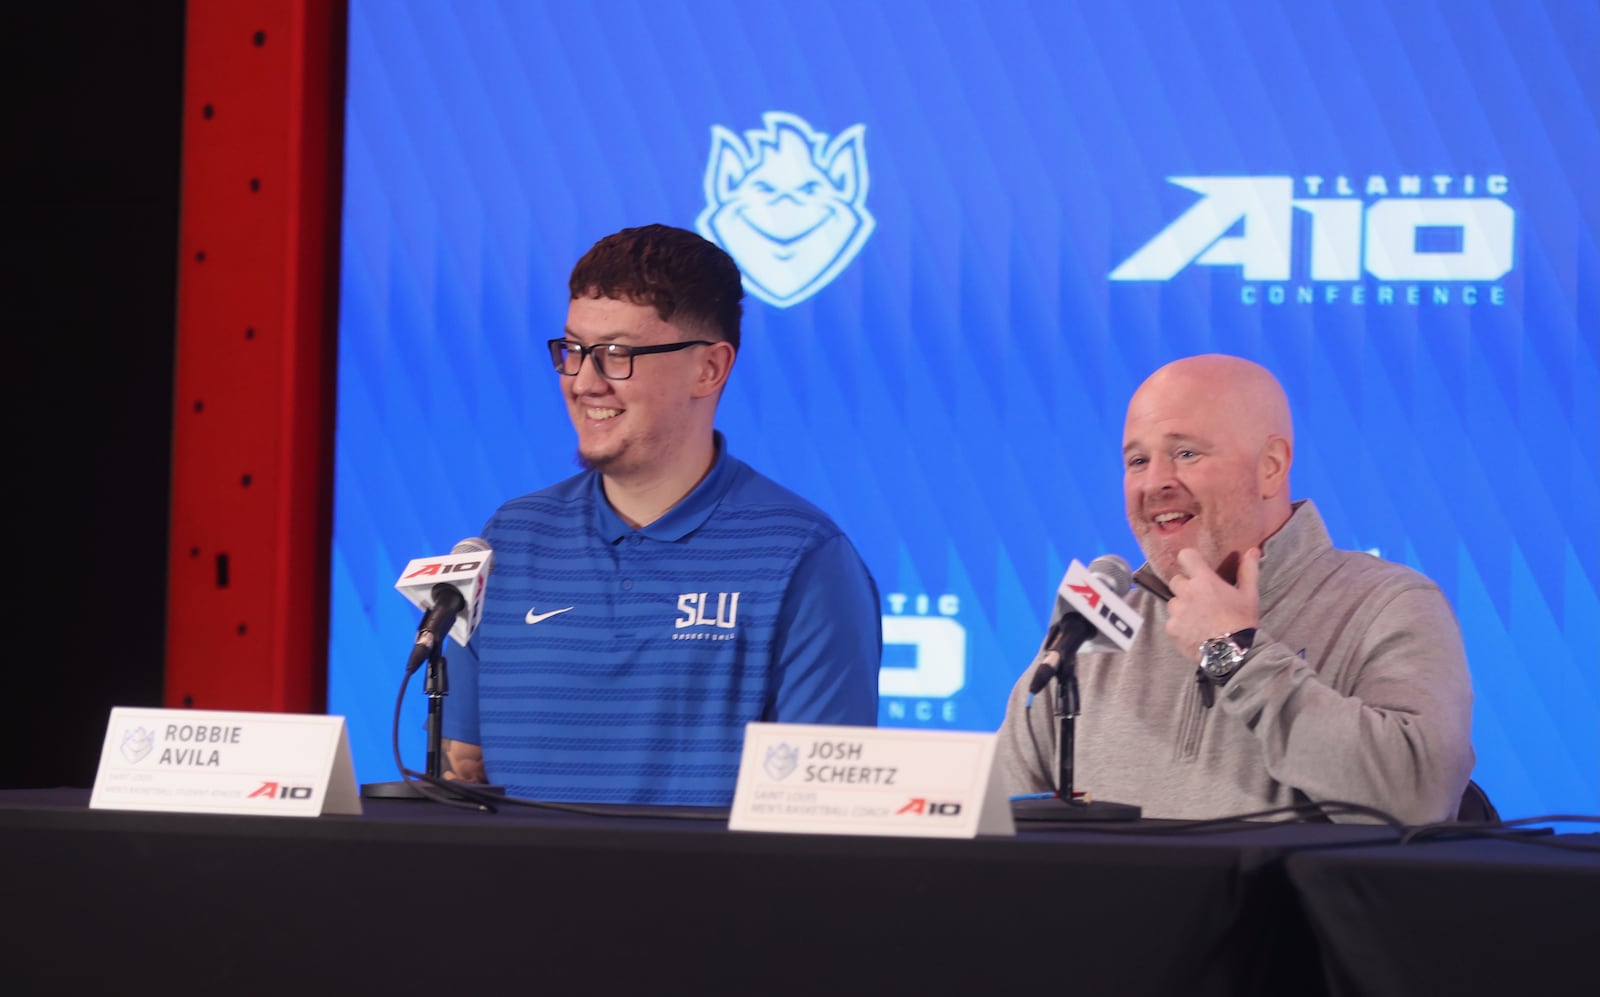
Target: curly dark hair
x: 684, y: 277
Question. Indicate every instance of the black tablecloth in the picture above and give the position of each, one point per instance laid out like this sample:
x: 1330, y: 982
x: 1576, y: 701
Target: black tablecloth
x: 1456, y: 917
x: 413, y: 897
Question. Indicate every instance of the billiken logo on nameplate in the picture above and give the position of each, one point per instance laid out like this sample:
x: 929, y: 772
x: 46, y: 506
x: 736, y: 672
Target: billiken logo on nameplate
x: 822, y: 779
x: 218, y: 761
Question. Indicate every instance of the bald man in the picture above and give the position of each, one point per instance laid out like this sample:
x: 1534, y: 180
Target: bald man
x: 1272, y: 669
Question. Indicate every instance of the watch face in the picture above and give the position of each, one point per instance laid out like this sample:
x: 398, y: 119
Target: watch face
x: 1219, y: 656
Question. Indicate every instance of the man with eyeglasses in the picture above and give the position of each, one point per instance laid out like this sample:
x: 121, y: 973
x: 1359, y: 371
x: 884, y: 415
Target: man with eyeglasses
x: 643, y: 611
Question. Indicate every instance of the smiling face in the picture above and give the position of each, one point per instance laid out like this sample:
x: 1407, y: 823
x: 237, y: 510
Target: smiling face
x: 1206, y: 451
x: 644, y: 427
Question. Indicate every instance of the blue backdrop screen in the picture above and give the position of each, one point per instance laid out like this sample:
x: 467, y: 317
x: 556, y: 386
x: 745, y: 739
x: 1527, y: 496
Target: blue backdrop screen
x: 968, y: 231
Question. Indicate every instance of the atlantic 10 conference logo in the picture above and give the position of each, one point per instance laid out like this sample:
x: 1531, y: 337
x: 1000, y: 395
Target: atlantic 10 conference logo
x: 925, y: 661
x: 788, y: 203
x: 1436, y: 239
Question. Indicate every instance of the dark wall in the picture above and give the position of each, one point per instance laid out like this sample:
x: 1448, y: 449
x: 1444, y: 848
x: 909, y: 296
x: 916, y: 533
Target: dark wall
x: 92, y: 179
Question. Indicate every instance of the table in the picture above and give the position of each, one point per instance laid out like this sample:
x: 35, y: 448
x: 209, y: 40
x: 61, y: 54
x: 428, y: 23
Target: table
x: 413, y: 897
x: 1455, y: 917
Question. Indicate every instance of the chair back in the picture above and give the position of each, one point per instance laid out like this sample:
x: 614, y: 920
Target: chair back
x: 1475, y: 806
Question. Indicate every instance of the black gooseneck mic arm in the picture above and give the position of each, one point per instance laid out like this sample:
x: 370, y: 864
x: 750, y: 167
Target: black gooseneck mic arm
x: 448, y: 602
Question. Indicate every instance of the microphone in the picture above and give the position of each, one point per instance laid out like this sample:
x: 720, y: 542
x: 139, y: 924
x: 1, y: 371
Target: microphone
x: 1089, y: 605
x: 449, y: 591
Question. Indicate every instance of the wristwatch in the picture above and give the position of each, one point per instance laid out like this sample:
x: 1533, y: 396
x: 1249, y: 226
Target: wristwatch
x: 1221, y: 656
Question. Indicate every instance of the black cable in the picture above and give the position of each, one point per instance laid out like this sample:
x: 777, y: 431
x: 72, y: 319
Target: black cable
x: 426, y: 784
x: 1299, y: 813
x: 616, y: 809
x: 1506, y: 830
x: 462, y: 795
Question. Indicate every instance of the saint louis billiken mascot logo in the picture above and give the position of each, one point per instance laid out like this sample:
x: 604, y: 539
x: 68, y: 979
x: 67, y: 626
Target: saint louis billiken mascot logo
x: 781, y: 760
x: 137, y: 743
x: 788, y: 203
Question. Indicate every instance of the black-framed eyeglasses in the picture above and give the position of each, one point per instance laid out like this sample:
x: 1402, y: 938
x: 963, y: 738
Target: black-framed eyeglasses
x: 614, y: 361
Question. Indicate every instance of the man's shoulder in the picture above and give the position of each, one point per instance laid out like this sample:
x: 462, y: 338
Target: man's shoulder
x: 551, y: 502
x: 562, y: 491
x: 754, y: 497
x: 1313, y: 558
x: 1360, y: 571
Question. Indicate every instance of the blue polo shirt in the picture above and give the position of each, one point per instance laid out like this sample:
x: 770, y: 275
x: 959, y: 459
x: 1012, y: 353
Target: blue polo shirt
x: 615, y: 665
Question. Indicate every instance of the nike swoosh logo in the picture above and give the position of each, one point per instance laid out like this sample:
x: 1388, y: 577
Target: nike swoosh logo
x: 533, y: 617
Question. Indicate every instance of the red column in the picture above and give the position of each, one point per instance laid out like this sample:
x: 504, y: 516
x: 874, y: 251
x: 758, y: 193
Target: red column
x: 256, y: 349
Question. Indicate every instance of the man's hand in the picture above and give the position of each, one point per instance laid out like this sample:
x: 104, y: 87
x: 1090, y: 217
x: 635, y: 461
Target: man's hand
x: 1203, y: 605
x: 461, y: 762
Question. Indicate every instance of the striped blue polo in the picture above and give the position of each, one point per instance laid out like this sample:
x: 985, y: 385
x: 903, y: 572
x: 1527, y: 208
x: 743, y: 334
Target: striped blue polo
x: 620, y: 665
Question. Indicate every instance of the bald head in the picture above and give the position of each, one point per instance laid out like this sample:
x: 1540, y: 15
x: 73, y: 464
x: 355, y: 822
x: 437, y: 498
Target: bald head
x: 1242, y: 397
x: 1206, y: 450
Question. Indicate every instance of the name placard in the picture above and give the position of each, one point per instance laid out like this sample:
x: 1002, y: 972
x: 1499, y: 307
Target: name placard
x: 225, y: 762
x: 819, y: 779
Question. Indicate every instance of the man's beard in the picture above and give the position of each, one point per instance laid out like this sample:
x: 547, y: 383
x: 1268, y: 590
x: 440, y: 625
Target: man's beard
x: 1212, y: 543
x: 1162, y: 560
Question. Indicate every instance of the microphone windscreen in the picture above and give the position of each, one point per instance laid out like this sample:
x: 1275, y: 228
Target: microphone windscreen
x: 474, y: 545
x: 1114, y: 571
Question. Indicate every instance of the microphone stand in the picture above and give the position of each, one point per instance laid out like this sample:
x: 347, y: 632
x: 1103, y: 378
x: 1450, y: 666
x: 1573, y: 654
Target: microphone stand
x: 1065, y: 804
x: 435, y: 685
x: 1067, y: 703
